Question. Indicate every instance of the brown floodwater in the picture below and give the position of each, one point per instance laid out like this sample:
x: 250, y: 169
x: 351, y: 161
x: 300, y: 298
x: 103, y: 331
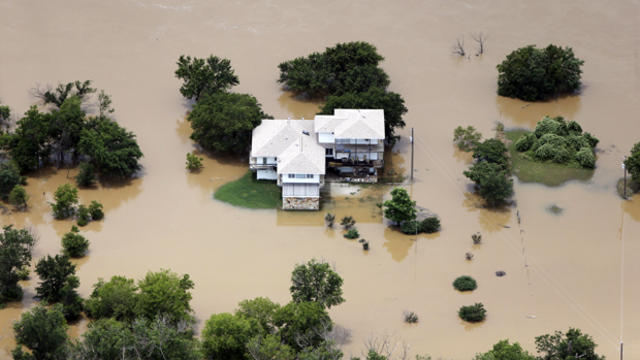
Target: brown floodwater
x: 575, y: 269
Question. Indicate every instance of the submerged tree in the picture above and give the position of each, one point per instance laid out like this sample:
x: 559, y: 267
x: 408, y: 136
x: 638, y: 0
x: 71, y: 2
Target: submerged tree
x: 566, y: 346
x: 533, y: 74
x: 317, y: 282
x: 400, y: 208
x: 62, y: 92
x: 204, y: 76
x: 44, y: 332
x: 223, y: 122
x: 15, y: 254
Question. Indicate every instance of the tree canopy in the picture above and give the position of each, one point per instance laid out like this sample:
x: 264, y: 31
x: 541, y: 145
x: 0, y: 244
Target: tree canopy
x: 505, y: 351
x: 9, y: 178
x: 44, y: 332
x: 58, y: 284
x: 346, y: 67
x: 632, y: 162
x: 111, y: 149
x: 223, y: 122
x: 400, y: 208
x: 165, y: 293
x: 204, y: 76
x: 15, y: 254
x: 316, y: 282
x: 570, y: 345
x: 533, y: 74
x: 490, y: 172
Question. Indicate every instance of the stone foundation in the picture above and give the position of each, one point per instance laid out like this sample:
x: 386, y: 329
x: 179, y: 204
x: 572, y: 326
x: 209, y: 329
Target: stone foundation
x: 297, y: 203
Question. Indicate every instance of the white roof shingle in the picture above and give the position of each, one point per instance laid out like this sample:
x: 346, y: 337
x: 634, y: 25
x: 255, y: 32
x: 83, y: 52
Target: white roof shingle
x: 352, y: 123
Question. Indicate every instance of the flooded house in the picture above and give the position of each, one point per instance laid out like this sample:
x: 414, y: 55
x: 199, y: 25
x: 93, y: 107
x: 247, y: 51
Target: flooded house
x: 299, y: 153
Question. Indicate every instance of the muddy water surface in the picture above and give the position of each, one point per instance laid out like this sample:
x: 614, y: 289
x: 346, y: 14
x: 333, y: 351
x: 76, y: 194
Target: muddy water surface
x: 574, y: 269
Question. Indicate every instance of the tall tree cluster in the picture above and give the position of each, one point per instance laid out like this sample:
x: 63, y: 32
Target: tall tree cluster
x: 222, y: 122
x: 347, y: 76
x: 66, y: 134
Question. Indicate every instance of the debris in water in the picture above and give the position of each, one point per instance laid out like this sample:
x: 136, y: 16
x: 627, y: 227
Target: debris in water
x: 468, y: 256
x: 365, y: 246
x: 555, y: 209
x: 500, y: 273
x: 531, y: 316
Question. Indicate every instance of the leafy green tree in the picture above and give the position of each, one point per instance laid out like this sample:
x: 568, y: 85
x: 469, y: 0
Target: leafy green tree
x: 66, y: 197
x: 83, y: 215
x: 632, y: 162
x: 505, y: 351
x: 352, y: 234
x: 260, y: 309
x: 533, y: 74
x: 223, y: 122
x: 225, y: 336
x: 302, y: 324
x: 9, y: 178
x: 116, y: 299
x: 568, y: 346
x: 141, y: 340
x: 18, y: 197
x: 400, y: 208
x: 58, y: 284
x: 164, y: 293
x: 194, y: 162
x: 66, y: 125
x: 112, y: 150
x: 373, y: 355
x: 316, y: 282
x: 269, y: 347
x: 74, y: 244
x: 30, y: 144
x: 465, y: 283
x: 346, y: 67
x: 5, y: 113
x: 44, y: 332
x: 324, y: 351
x: 15, y: 254
x: 466, y: 138
x: 86, y: 176
x: 95, y: 210
x: 204, y: 76
x: 62, y: 92
x: 493, y: 151
x: 104, y: 104
x: 492, y: 182
x: 473, y: 313
x: 372, y: 98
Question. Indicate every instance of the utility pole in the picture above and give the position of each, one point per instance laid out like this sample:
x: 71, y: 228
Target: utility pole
x: 624, y: 194
x: 621, y: 349
x: 412, y: 155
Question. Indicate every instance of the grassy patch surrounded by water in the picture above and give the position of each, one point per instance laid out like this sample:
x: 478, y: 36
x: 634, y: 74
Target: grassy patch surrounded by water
x: 250, y: 193
x: 547, y: 173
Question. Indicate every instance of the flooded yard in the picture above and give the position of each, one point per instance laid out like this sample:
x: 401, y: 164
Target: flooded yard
x: 576, y: 268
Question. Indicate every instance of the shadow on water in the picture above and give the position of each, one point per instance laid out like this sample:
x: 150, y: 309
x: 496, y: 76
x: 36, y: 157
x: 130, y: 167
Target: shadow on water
x: 297, y: 106
x: 527, y: 114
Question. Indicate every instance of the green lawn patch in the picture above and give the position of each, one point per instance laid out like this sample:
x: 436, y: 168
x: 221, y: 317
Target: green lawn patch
x: 250, y: 193
x: 547, y: 173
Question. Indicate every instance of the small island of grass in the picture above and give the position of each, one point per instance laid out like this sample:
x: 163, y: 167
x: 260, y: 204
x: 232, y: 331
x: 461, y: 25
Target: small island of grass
x: 555, y: 152
x: 250, y: 193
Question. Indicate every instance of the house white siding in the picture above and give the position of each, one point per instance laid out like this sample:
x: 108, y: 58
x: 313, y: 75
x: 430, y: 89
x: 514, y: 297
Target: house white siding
x: 326, y: 138
x: 300, y: 190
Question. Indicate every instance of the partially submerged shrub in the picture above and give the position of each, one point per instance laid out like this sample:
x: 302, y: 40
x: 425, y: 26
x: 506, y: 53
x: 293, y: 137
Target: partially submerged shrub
x: 477, y: 238
x: 525, y: 142
x: 352, y: 234
x: 66, y: 197
x: 194, y: 162
x: 473, y: 313
x: 86, y: 176
x: 410, y: 317
x: 466, y: 139
x: 465, y: 283
x: 329, y: 218
x: 430, y: 225
x: 95, y: 209
x: 83, y: 215
x: 74, y: 244
x: 18, y: 197
x: 410, y: 227
x: 468, y: 256
x: 347, y: 222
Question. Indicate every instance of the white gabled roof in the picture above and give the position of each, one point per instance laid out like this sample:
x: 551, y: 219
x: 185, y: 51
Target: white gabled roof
x: 304, y: 156
x: 272, y: 137
x: 352, y: 123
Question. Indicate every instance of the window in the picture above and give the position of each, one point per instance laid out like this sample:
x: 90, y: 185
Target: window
x: 309, y: 176
x: 291, y: 176
x: 328, y: 152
